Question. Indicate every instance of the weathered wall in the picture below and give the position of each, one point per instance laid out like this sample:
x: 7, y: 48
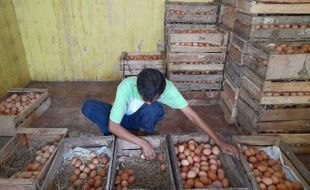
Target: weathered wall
x: 13, y: 66
x: 83, y: 39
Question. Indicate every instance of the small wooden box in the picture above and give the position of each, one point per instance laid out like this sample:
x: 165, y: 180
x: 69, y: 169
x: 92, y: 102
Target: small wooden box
x: 227, y: 16
x: 129, y: 150
x: 288, y: 156
x: 67, y: 145
x: 272, y: 27
x: 27, y: 137
x: 183, y: 12
x: 232, y: 167
x: 131, y: 64
x: 10, y: 123
x: 274, y: 6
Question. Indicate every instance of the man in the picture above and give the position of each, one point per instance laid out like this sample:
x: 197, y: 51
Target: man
x: 138, y: 106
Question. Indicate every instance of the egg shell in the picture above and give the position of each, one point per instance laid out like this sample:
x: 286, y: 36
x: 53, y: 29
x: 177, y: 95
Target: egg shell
x: 86, y: 170
x: 77, y: 171
x: 195, y: 169
x: 204, y: 168
x: 130, y: 171
x: 163, y: 167
x: 185, y: 162
x: 26, y: 174
x: 261, y: 168
x: 51, y: 149
x: 206, y: 151
x: 191, y: 147
x: 213, y: 167
x: 191, y: 174
x: 267, y: 174
x: 221, y: 176
x: 77, y: 183
x: 252, y: 159
x: 181, y: 148
x: 124, y: 183
x: 181, y: 156
x: 205, y: 180
x: 212, y: 175
x: 91, y: 166
x: 198, y: 184
x: 297, y: 185
x: 117, y: 180
x: 91, y: 182
x: 215, y: 150
x: 190, y: 160
x: 189, y: 184
x: 274, y: 179
x: 281, y: 186
x: 83, y: 176
x: 73, y: 178
x: 95, y: 161
x: 93, y: 173
x: 98, y: 183
x: 267, y: 181
x: 198, y: 150
x: 85, y: 187
x: 35, y: 166
x: 93, y: 154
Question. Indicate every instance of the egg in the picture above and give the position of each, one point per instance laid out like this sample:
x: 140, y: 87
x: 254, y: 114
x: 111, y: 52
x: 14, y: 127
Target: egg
x: 183, y: 175
x: 163, y: 167
x: 204, y: 163
x: 198, y: 184
x: 274, y: 179
x: 262, y: 186
x: 117, y: 180
x: 77, y: 183
x: 261, y: 168
x: 205, y: 180
x: 297, y: 185
x: 267, y: 174
x: 281, y: 186
x: 131, y: 179
x: 85, y: 187
x: 191, y: 147
x: 83, y: 175
x: 181, y: 148
x: 130, y: 171
x: 78, y: 163
x: 258, y: 179
x: 189, y: 184
x: 93, y: 173
x: 39, y: 158
x: 206, y: 151
x: 91, y: 182
x: 267, y: 181
x: 221, y: 176
x: 184, y: 162
x: 46, y: 155
x: 77, y: 171
x: 198, y: 150
x: 217, y: 184
x: 93, y: 154
x: 197, y: 159
x: 82, y: 167
x: 125, y: 176
x: 212, y: 175
x: 252, y: 159
x: 35, y: 166
x: 43, y: 161
x: 204, y: 168
x: 91, y: 166
x: 51, y: 149
x: 124, y: 184
x: 95, y: 161
x: 215, y: 150
x: 98, y: 183
x: 191, y: 174
x: 213, y: 167
x: 182, y: 156
x: 190, y: 160
x: 271, y: 187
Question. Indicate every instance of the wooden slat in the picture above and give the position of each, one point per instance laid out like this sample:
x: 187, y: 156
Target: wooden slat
x: 286, y: 114
x: 136, y: 72
x: 191, y: 49
x: 196, y: 57
x: 207, y: 77
x: 277, y: 100
x: 253, y: 77
x: 216, y: 38
x: 251, y: 88
x: 197, y: 86
x: 270, y: 86
x: 285, y: 126
x: 262, y: 8
x: 200, y: 67
x: 285, y: 1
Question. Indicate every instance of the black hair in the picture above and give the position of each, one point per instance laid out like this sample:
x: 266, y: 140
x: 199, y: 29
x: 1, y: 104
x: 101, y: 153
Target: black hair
x: 151, y: 83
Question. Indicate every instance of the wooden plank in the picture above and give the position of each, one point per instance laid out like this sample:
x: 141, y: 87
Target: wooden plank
x: 244, y: 95
x: 196, y: 57
x: 285, y: 1
x: 262, y: 8
x: 292, y: 86
x: 251, y: 88
x: 196, y: 67
x: 253, y: 77
x: 277, y: 100
x: 215, y: 37
x: 191, y: 49
x: 285, y: 114
x: 136, y: 72
x: 197, y: 86
x: 233, y: 71
x: 248, y: 113
x: 185, y: 77
x: 205, y: 102
x: 185, y: 12
x: 230, y: 113
x: 285, y: 126
x: 227, y: 16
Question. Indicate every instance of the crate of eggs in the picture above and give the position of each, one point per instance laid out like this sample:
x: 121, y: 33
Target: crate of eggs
x: 81, y: 163
x: 132, y: 170
x: 270, y: 164
x: 26, y: 158
x: 197, y: 39
x: 21, y: 107
x: 184, y: 12
x: 274, y: 27
x: 280, y: 61
x: 274, y: 6
x: 131, y: 64
x: 198, y: 163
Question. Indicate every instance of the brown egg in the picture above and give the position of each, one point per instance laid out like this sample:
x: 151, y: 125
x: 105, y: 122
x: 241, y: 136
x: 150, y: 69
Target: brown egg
x: 124, y: 184
x: 281, y: 186
x: 258, y: 179
x: 86, y: 170
x: 189, y: 184
x: 297, y: 185
x: 204, y: 168
x: 198, y: 184
x: 125, y: 176
x: 91, y: 182
x: 91, y: 166
x: 117, y: 180
x: 221, y: 176
x: 98, y: 183
x: 288, y: 184
x: 163, y: 167
x: 274, y: 179
x: 95, y: 161
x: 225, y: 183
x: 82, y: 167
x: 83, y: 175
x: 191, y: 174
x: 261, y: 168
x: 212, y: 175
x: 77, y: 171
x: 93, y: 154
x: 262, y: 186
x: 205, y: 180
x: 102, y: 172
x: 98, y: 177
x: 85, y: 187
x: 78, y: 163
x: 267, y: 181
x: 73, y: 178
x: 93, y: 173
x: 160, y: 157
x: 252, y: 159
x: 35, y: 166
x: 271, y: 187
x: 267, y: 174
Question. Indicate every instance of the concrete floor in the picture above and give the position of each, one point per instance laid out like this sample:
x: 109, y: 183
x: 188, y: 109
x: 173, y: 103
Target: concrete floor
x: 67, y: 99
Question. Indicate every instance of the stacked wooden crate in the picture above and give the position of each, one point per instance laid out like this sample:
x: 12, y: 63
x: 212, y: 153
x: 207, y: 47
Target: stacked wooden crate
x: 195, y: 50
x: 227, y: 14
x: 274, y: 95
x: 131, y: 64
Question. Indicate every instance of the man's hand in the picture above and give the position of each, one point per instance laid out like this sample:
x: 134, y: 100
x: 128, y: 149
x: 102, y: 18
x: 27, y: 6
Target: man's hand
x: 229, y: 149
x: 148, y: 151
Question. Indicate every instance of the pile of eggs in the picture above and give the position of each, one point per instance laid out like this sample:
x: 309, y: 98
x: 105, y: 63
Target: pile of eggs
x: 32, y: 170
x: 16, y: 104
x: 124, y: 178
x: 200, y: 166
x: 89, y: 176
x: 143, y: 57
x: 268, y: 172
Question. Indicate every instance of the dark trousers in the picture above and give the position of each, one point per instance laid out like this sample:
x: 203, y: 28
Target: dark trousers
x: 145, y: 118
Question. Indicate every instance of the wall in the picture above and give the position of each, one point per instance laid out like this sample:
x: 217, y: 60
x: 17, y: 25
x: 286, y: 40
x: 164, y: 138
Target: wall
x: 13, y: 66
x: 83, y: 39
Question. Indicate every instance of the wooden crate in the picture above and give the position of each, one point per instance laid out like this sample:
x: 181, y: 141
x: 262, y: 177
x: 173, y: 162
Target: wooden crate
x: 131, y: 64
x: 197, y: 39
x: 60, y: 162
x: 183, y: 12
x: 262, y: 118
x: 232, y: 167
x: 228, y: 101
x: 272, y: 27
x: 269, y: 64
x: 196, y: 57
x: 10, y: 123
x: 233, y: 71
x: 231, y: 3
x: 288, y: 157
x: 27, y: 137
x: 227, y: 16
x: 274, y: 6
x: 202, y: 97
x: 127, y: 149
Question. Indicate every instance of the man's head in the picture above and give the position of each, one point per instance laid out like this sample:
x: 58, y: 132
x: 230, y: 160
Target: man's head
x: 151, y: 84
